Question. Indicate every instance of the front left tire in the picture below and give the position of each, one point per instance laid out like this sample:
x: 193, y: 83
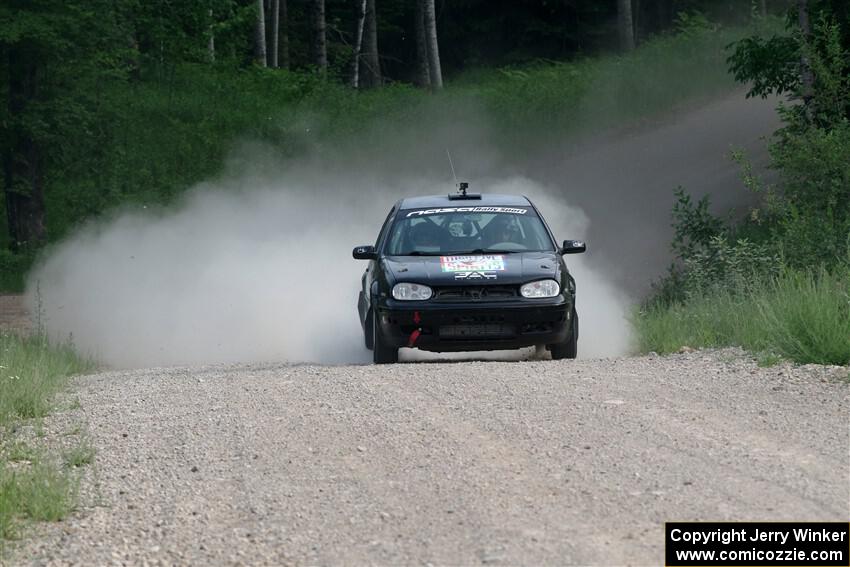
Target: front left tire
x: 382, y: 353
x: 569, y: 348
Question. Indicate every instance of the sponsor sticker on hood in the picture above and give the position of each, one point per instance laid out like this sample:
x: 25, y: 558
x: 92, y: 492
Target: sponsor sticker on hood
x: 472, y: 263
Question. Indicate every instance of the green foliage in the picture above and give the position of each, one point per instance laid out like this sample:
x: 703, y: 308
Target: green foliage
x: 812, y: 211
x: 34, y: 486
x: 800, y: 315
x: 40, y: 491
x: 13, y: 268
x: 773, y: 65
x: 693, y: 224
x: 80, y: 455
x: 735, y: 268
x: 32, y: 370
x: 163, y: 133
x: 770, y: 64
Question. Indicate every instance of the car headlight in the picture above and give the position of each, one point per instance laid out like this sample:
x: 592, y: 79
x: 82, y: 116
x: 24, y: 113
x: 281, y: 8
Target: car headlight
x: 411, y: 292
x: 540, y: 288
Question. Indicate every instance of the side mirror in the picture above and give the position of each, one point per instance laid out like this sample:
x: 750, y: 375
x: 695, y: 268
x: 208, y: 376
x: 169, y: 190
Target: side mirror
x: 573, y: 247
x: 364, y: 253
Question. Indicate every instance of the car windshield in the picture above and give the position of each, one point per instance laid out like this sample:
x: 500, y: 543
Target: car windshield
x: 467, y: 230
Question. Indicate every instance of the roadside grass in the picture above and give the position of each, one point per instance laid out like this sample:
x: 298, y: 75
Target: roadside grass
x: 803, y: 316
x: 32, y: 371
x: 34, y: 485
x: 39, y: 491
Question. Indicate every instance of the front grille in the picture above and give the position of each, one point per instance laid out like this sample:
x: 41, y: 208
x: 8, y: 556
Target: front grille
x: 475, y: 293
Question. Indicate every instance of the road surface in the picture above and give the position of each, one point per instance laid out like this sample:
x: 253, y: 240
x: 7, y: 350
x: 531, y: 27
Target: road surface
x: 543, y: 462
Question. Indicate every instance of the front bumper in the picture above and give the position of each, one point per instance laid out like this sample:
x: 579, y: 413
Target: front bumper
x: 473, y: 326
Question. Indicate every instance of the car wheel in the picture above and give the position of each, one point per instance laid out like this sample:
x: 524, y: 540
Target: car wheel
x: 368, y: 332
x: 382, y: 353
x: 568, y: 348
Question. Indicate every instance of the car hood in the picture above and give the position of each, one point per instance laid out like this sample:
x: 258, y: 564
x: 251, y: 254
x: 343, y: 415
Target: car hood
x: 474, y: 269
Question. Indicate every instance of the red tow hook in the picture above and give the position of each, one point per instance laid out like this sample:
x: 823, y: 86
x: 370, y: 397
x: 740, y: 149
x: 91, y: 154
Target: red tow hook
x: 415, y: 334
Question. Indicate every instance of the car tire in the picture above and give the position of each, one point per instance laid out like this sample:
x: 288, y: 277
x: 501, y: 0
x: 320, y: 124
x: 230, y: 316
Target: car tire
x: 382, y: 353
x: 569, y: 348
x: 368, y: 333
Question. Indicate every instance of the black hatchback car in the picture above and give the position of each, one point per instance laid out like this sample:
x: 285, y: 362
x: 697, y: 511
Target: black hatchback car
x: 467, y: 272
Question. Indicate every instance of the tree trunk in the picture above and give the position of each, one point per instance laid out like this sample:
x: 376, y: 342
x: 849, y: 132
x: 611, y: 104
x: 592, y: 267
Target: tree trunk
x: 319, y: 42
x: 260, y: 36
x: 358, y: 43
x: 423, y: 78
x: 807, y: 78
x: 625, y: 25
x: 275, y: 33
x: 637, y: 21
x: 763, y: 8
x: 370, y: 63
x: 436, y: 74
x: 211, y: 43
x: 23, y: 175
x: 284, y: 35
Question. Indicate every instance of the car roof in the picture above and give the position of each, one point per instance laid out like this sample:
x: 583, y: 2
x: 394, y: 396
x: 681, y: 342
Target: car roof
x: 486, y: 200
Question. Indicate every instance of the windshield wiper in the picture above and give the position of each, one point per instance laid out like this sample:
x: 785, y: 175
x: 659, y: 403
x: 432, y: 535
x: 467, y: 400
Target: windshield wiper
x: 484, y: 251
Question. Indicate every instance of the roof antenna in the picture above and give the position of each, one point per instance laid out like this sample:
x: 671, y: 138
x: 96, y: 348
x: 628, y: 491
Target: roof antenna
x: 462, y: 186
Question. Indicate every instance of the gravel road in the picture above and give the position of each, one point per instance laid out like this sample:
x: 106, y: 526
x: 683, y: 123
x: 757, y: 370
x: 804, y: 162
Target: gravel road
x: 447, y: 463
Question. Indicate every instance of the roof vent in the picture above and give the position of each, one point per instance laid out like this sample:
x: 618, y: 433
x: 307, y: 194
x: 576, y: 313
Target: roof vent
x: 462, y: 194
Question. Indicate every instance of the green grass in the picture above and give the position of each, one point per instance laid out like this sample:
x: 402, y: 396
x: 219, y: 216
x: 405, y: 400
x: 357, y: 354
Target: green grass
x: 803, y: 316
x: 82, y: 454
x: 32, y: 371
x: 40, y: 492
x: 34, y: 486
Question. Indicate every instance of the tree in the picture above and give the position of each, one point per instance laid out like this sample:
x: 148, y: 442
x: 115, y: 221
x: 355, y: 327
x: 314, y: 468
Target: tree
x: 807, y: 79
x: 284, y: 34
x: 54, y: 56
x: 23, y: 168
x: 370, y: 63
x: 423, y: 71
x: 625, y: 25
x: 435, y: 73
x: 319, y: 46
x: 260, y: 36
x: 211, y: 40
x: 275, y: 33
x: 358, y: 43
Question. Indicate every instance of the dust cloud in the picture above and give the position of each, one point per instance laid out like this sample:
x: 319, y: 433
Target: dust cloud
x: 256, y: 265
x: 251, y: 269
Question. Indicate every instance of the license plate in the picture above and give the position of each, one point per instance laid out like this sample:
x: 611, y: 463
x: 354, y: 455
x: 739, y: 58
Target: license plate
x: 476, y: 331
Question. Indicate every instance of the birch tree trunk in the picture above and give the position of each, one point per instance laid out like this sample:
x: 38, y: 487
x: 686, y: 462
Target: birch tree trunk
x: 284, y: 35
x: 275, y: 27
x: 370, y: 62
x: 211, y: 42
x: 807, y: 77
x: 435, y: 72
x: 625, y: 25
x: 763, y: 8
x: 319, y: 42
x: 423, y: 78
x: 358, y: 43
x: 260, y: 35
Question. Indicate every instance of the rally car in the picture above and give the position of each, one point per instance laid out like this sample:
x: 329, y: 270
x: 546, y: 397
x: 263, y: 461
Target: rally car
x: 467, y: 272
